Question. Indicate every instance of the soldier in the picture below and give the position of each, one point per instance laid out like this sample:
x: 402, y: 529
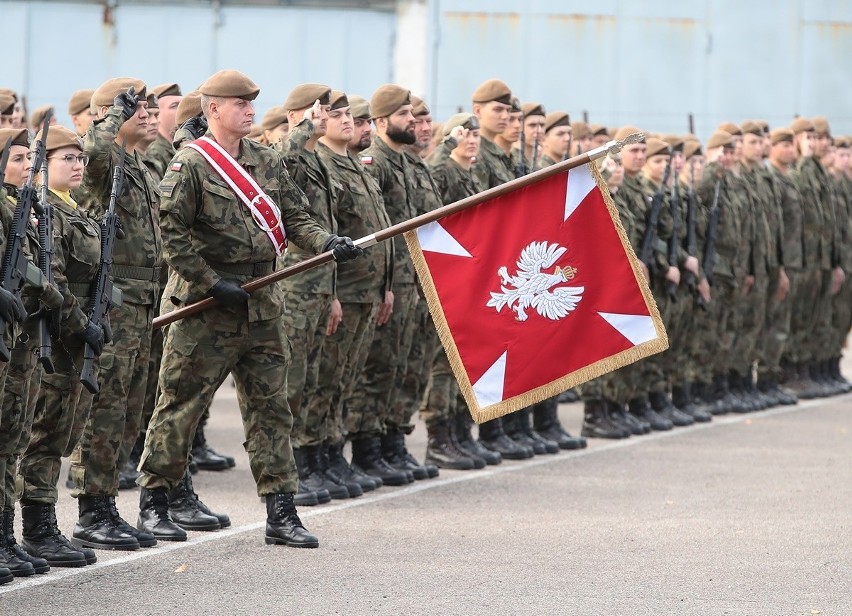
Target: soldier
x: 364, y: 287
x: 79, y: 108
x: 362, y: 135
x: 557, y: 139
x: 581, y: 138
x: 534, y: 120
x: 8, y: 101
x: 507, y: 139
x: 212, y: 243
x: 39, y: 114
x: 275, y: 126
x: 160, y: 152
x: 599, y: 135
x: 152, y: 132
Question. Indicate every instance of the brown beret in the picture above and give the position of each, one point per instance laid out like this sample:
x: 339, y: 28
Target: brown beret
x: 516, y: 105
x: 752, y: 128
x: 166, y: 89
x: 80, y: 101
x: 720, y: 138
x: 657, y: 146
x: 274, y: 118
x: 61, y: 137
x: 420, y: 108
x: 730, y: 128
x: 764, y: 125
x: 7, y: 104
x: 625, y: 131
x: 19, y: 136
x: 230, y: 84
x: 554, y: 119
x: 9, y: 92
x: 387, y: 99
x: 360, y: 107
x: 189, y: 107
x: 338, y: 99
x: 841, y: 142
x: 581, y: 130
x: 256, y: 133
x: 802, y: 125
x: 533, y: 109
x: 782, y: 134
x: 108, y: 90
x: 153, y: 101
x: 691, y: 148
x: 598, y: 129
x: 38, y: 115
x: 676, y: 142
x: 493, y: 90
x: 305, y: 95
x: 821, y: 126
x: 467, y: 120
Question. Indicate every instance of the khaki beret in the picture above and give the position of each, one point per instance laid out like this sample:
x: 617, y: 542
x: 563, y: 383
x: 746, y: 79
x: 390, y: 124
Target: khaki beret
x: 657, y: 146
x: 533, y: 109
x: 720, y: 138
x: 752, y: 128
x: 420, y: 108
x: 625, y: 131
x: 387, y: 99
x: 730, y: 128
x: 189, y: 107
x: 256, y: 133
x: 554, y: 119
x: 7, y: 104
x: 493, y: 90
x: 581, y: 130
x: 153, y: 101
x: 841, y: 142
x: 821, y: 126
x: 598, y: 129
x: 166, y: 89
x: 305, y: 95
x: 274, y: 118
x: 19, y: 136
x: 802, y: 125
x: 360, y: 107
x: 691, y: 148
x: 764, y: 125
x: 338, y: 99
x: 516, y: 105
x: 9, y: 92
x: 676, y: 142
x: 782, y: 134
x: 61, y: 137
x: 230, y: 84
x: 80, y: 101
x: 105, y: 95
x: 467, y: 120
x: 38, y: 115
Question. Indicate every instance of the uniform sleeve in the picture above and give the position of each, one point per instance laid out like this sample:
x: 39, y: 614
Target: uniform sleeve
x: 301, y: 229
x: 99, y: 141
x: 73, y: 316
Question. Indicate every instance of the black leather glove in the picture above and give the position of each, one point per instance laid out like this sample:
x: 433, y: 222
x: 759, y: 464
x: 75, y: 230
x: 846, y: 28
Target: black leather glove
x: 343, y: 248
x: 229, y: 293
x: 127, y: 101
x: 11, y: 308
x: 93, y: 335
x: 196, y: 126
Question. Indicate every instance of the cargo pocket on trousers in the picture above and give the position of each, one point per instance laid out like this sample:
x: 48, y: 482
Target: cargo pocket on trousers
x: 179, y: 367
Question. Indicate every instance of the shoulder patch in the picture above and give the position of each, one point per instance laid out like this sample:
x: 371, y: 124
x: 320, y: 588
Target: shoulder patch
x: 367, y: 160
x: 176, y: 166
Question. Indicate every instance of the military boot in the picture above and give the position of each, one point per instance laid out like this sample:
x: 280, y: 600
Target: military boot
x: 804, y: 385
x: 440, y: 450
x: 187, y: 511
x: 395, y: 453
x: 661, y: 403
x: 492, y: 437
x: 641, y: 409
x: 842, y: 382
x: 367, y: 457
x: 9, y: 558
x: 42, y: 538
x: 730, y: 400
x: 550, y: 447
x: 96, y: 529
x: 546, y: 422
x: 514, y: 430
x: 826, y: 379
x: 145, y: 540
x: 461, y: 431
x: 203, y: 455
x: 624, y: 420
x: 283, y: 526
x: 597, y: 422
x: 478, y: 462
x: 338, y: 463
x: 154, y: 515
x: 5, y: 576
x: 687, y: 401
x: 311, y: 476
x: 322, y: 464
x: 39, y: 565
x: 128, y: 475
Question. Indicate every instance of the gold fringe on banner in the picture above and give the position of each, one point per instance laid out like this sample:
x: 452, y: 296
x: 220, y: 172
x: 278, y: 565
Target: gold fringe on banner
x: 599, y: 368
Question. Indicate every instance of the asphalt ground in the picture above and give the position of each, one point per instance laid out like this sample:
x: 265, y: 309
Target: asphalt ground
x: 750, y: 514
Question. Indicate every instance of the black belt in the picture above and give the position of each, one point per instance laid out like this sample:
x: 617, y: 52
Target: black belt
x: 244, y: 269
x: 133, y: 272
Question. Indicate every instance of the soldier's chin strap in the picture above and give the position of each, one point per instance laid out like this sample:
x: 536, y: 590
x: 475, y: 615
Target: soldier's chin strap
x: 614, y: 147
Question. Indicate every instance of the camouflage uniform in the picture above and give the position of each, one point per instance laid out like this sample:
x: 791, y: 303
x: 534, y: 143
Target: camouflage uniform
x: 493, y: 166
x: 209, y: 235
x: 361, y: 287
x: 841, y: 317
x: 370, y: 406
x: 158, y: 155
x: 308, y: 296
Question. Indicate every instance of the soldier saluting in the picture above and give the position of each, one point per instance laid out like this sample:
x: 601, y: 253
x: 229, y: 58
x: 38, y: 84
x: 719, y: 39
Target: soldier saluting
x: 221, y: 226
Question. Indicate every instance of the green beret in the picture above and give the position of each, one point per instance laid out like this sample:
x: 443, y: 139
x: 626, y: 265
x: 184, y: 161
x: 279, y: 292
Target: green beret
x: 533, y: 109
x: 274, y: 118
x: 189, y: 107
x: 60, y: 137
x: 360, y: 107
x: 80, y: 101
x: 802, y: 125
x: 466, y: 120
x: 105, y: 95
x: 420, y: 108
x: 19, y: 136
x: 720, y: 138
x: 782, y: 134
x: 387, y: 99
x: 338, y: 99
x: 230, y: 84
x: 167, y: 89
x: 554, y: 119
x: 305, y: 95
x: 493, y: 90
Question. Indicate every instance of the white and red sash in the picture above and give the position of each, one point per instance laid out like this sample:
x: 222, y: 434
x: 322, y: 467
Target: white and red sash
x: 263, y: 209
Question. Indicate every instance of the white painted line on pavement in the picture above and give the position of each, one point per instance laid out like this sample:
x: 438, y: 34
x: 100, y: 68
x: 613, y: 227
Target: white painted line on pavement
x: 164, y: 547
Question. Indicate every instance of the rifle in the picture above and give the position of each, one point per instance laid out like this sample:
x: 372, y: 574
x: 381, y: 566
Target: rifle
x: 49, y: 320
x: 649, y: 238
x: 521, y: 168
x: 691, y: 120
x: 16, y: 268
x: 710, y: 246
x: 673, y: 242
x: 691, y: 241
x: 103, y: 295
x: 534, y: 154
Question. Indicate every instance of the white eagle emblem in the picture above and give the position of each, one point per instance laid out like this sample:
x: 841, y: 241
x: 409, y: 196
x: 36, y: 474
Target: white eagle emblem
x: 534, y: 288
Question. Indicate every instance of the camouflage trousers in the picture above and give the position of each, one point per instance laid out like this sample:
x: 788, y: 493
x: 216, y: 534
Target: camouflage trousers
x: 417, y: 370
x: 776, y: 333
x: 679, y: 327
x: 199, y: 353
x: 116, y: 414
x: 305, y: 324
x: 807, y: 305
x: 61, y: 410
x: 823, y: 344
x: 439, y: 402
x: 752, y: 312
x: 379, y: 382
x: 841, y: 316
x: 654, y: 377
x: 341, y: 362
x: 702, y: 344
x: 725, y: 315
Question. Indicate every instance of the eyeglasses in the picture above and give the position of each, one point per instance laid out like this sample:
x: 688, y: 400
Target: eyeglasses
x: 70, y: 159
